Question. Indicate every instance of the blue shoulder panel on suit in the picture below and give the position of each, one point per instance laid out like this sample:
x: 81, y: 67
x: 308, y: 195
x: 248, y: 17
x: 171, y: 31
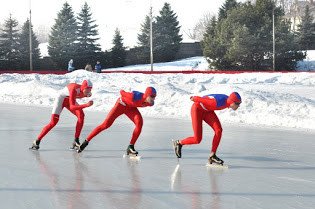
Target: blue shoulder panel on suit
x: 137, y: 95
x: 220, y: 99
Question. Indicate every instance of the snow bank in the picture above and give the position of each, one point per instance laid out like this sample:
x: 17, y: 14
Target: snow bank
x: 270, y: 99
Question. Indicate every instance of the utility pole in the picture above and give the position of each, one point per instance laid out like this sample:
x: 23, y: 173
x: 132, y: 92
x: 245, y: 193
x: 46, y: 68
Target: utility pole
x: 151, y: 37
x: 30, y: 38
x: 273, y: 38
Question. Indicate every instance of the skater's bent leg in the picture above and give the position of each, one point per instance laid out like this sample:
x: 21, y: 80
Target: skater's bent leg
x: 54, y: 120
x: 134, y: 115
x: 196, y: 117
x: 215, y: 124
x: 115, y: 112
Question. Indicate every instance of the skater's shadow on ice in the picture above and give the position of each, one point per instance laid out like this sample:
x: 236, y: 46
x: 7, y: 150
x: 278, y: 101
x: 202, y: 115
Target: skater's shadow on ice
x: 103, y: 156
x: 53, y: 150
x: 103, y: 150
x: 155, y: 150
x: 197, y: 151
x: 157, y: 157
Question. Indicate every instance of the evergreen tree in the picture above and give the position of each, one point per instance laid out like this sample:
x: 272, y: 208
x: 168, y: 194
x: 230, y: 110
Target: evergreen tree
x: 87, y: 37
x: 287, y: 49
x: 306, y: 31
x: 243, y: 40
x: 25, y: 47
x: 9, y: 43
x: 118, y: 52
x: 241, y: 53
x: 210, y: 44
x: 211, y: 28
x: 167, y: 41
x: 228, y: 5
x: 63, y: 38
x: 144, y: 40
x: 144, y: 36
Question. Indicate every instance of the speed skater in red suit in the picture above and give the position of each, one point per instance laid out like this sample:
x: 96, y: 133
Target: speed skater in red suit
x: 127, y: 104
x: 203, y: 110
x: 67, y: 98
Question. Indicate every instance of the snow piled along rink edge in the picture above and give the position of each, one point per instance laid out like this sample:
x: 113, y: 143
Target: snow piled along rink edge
x: 284, y: 100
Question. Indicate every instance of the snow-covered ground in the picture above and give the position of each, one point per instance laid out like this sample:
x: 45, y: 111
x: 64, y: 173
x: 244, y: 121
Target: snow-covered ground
x: 192, y: 63
x: 284, y: 100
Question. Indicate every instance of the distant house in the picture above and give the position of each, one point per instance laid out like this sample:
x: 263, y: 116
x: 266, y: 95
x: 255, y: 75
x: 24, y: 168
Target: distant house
x: 297, y: 10
x: 189, y: 49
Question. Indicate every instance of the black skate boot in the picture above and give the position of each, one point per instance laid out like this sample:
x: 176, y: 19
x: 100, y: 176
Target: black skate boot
x: 82, y: 146
x: 216, y: 160
x: 177, y: 148
x: 131, y: 150
x: 35, y: 145
x: 75, y: 144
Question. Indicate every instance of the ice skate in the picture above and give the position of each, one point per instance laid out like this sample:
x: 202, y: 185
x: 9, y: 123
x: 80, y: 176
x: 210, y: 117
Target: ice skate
x: 131, y: 153
x: 82, y: 146
x: 75, y: 144
x: 215, y: 159
x: 131, y: 150
x: 215, y: 162
x: 35, y: 145
x: 177, y: 148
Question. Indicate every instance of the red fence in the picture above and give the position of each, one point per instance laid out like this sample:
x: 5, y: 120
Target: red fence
x: 154, y: 72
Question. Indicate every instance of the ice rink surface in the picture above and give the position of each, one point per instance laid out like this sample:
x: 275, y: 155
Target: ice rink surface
x: 268, y: 168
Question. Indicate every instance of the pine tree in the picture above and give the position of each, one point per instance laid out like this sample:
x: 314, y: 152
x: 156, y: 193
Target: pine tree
x: 144, y: 36
x: 9, y: 43
x: 118, y: 52
x: 306, y: 31
x: 144, y: 40
x: 62, y: 40
x: 243, y: 40
x: 211, y: 44
x: 287, y: 49
x: 211, y: 28
x: 228, y: 5
x: 167, y: 41
x: 25, y: 47
x: 87, y: 37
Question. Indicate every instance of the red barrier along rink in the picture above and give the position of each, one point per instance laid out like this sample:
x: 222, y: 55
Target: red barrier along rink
x: 155, y: 72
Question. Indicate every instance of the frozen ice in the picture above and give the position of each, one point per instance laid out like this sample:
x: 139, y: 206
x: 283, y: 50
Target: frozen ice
x: 268, y: 167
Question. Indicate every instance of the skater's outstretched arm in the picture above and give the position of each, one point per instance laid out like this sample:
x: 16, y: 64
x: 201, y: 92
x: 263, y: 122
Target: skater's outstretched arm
x: 72, y: 102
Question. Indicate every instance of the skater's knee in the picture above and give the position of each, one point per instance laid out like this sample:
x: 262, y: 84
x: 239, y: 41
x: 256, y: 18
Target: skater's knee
x: 197, y: 139
x: 54, y: 120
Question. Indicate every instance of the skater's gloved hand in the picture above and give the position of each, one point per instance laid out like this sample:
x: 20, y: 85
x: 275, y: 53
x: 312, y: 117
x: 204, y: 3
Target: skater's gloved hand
x: 90, y: 103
